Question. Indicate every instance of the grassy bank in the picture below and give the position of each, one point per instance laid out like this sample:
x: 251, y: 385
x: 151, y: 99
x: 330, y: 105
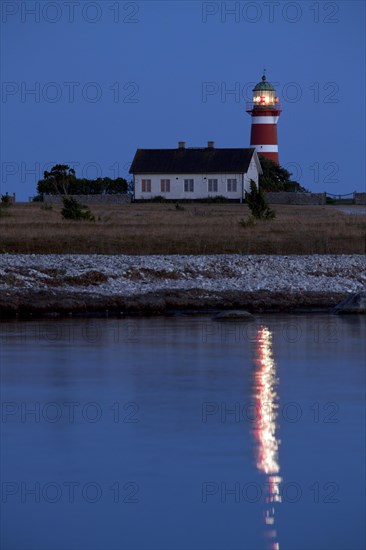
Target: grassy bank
x: 196, y: 229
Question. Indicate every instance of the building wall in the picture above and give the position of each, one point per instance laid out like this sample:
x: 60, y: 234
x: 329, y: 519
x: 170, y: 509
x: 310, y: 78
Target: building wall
x: 91, y: 199
x: 285, y: 197
x: 251, y: 174
x: 200, y: 185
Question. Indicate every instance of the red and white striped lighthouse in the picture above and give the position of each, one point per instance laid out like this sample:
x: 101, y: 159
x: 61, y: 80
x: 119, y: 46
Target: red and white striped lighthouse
x: 265, y: 110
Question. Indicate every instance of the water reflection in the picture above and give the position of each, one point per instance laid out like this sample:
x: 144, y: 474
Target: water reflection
x: 265, y: 396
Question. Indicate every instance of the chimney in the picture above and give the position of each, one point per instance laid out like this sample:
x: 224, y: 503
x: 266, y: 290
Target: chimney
x: 211, y: 144
x: 181, y: 144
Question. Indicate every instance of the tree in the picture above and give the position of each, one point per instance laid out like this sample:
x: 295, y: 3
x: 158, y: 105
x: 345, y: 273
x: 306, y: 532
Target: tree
x: 258, y: 204
x: 58, y: 179
x: 61, y: 180
x: 276, y: 178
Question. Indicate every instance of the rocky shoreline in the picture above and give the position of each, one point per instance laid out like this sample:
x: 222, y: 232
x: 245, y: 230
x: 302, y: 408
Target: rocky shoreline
x: 82, y: 285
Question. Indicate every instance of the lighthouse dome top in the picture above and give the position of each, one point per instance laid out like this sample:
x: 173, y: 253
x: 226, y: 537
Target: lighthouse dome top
x: 263, y: 86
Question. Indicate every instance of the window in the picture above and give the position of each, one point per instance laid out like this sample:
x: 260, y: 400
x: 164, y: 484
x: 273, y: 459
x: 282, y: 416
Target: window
x: 146, y: 186
x: 212, y: 186
x: 188, y: 186
x: 231, y: 185
x: 165, y: 186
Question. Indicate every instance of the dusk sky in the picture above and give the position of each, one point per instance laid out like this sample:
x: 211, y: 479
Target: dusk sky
x: 110, y: 77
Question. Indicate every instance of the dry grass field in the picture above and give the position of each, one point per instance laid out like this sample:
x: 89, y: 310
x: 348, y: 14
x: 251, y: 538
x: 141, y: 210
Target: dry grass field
x: 198, y: 229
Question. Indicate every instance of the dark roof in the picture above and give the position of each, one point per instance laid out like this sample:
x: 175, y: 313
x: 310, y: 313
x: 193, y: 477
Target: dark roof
x: 191, y: 161
x: 264, y: 86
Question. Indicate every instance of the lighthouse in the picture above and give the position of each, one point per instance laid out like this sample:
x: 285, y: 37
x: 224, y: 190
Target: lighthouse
x: 265, y: 111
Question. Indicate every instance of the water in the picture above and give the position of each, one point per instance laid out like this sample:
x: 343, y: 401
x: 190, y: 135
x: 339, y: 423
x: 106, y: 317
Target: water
x: 180, y: 433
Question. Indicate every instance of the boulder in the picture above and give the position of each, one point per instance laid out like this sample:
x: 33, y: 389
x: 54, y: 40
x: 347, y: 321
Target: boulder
x: 234, y: 315
x: 355, y: 303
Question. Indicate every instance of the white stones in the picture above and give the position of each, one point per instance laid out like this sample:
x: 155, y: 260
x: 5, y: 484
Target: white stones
x: 129, y: 275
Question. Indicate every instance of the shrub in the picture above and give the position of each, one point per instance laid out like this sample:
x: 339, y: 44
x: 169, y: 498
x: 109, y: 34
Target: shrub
x: 217, y: 199
x: 74, y: 210
x: 158, y: 198
x: 258, y: 204
x: 5, y: 200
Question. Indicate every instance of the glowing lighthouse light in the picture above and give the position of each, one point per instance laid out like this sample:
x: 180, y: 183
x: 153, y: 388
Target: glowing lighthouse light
x: 265, y: 110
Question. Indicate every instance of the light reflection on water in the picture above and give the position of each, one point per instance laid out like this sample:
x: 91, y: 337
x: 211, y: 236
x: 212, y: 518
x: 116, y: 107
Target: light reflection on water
x: 266, y: 398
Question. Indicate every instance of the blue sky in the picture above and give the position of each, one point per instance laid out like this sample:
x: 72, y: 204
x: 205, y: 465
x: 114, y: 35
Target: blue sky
x: 109, y: 77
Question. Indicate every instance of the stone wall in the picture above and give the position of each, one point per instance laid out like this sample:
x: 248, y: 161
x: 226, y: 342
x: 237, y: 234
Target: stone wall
x: 90, y: 199
x: 360, y: 198
x: 284, y: 197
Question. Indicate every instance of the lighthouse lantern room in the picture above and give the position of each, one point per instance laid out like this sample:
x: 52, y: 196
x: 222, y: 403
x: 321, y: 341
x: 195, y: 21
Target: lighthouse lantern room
x: 265, y: 110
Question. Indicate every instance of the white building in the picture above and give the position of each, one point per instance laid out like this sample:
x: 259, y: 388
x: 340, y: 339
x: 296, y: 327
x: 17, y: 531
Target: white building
x: 194, y: 172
